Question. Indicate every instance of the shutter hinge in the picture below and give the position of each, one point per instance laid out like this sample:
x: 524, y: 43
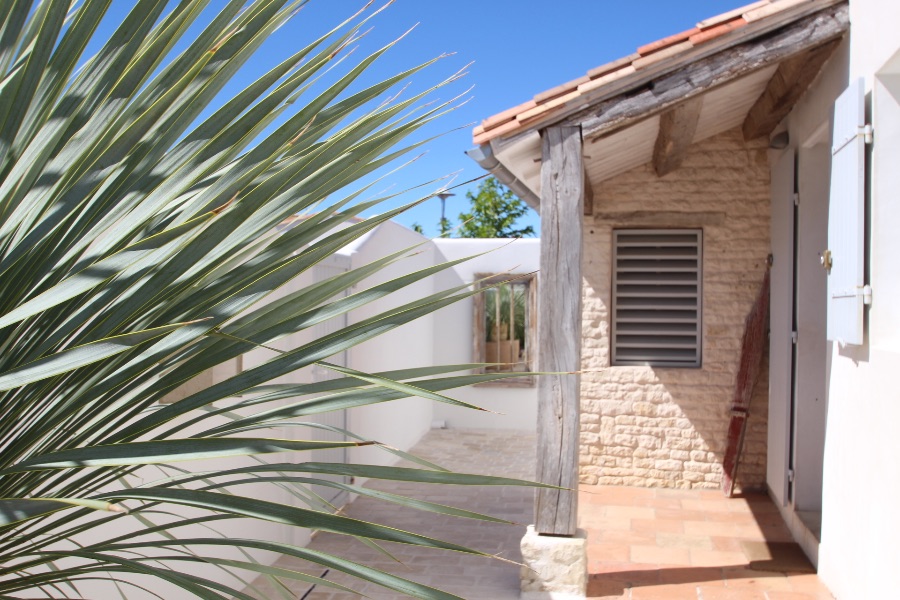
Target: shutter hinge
x: 794, y: 337
x: 791, y: 475
x: 868, y: 134
x: 867, y: 295
x: 796, y: 199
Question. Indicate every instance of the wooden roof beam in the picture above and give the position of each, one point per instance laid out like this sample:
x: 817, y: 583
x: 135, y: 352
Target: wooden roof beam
x: 677, y: 127
x: 788, y: 84
x: 707, y: 73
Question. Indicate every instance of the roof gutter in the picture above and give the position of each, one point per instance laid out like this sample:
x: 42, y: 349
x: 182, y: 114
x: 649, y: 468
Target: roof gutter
x: 484, y: 156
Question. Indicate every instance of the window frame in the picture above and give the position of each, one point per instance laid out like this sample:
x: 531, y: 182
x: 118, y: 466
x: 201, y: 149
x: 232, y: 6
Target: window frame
x: 479, y: 337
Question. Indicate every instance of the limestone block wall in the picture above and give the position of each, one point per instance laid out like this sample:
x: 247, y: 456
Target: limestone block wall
x: 665, y: 427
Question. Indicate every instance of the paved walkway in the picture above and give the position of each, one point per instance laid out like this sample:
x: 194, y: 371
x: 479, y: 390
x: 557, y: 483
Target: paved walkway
x: 643, y: 544
x: 507, y: 454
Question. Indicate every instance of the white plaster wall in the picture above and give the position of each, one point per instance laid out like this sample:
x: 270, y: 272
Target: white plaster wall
x: 398, y: 423
x: 858, y: 556
x: 513, y: 407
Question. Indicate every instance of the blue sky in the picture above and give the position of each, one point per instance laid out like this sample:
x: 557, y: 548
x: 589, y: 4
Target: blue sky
x: 517, y: 49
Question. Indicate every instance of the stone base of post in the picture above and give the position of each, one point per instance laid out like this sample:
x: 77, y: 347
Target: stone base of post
x: 555, y: 567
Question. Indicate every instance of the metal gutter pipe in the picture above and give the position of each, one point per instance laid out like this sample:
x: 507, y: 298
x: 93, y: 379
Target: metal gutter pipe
x: 484, y: 156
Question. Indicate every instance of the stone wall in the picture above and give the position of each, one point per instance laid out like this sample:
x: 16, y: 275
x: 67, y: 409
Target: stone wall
x: 665, y: 427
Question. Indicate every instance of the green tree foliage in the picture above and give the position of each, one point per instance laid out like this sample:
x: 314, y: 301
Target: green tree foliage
x: 493, y: 213
x: 139, y: 241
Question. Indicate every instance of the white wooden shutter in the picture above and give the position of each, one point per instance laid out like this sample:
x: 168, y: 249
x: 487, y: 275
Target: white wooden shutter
x: 656, y: 297
x: 846, y: 218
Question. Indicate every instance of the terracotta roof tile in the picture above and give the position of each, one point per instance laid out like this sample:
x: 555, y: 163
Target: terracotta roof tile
x: 713, y: 21
x: 525, y: 123
x: 558, y: 99
x: 507, y: 114
x: 510, y: 125
x: 544, y: 107
x: 613, y: 66
x: 609, y: 77
x: 666, y: 42
x: 561, y: 89
x: 662, y: 54
x: 720, y: 29
x: 774, y: 7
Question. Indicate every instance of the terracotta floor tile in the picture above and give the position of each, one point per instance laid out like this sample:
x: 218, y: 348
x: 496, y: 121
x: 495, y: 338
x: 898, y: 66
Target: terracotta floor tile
x: 627, y: 573
x: 667, y: 503
x: 726, y: 544
x: 678, y: 493
x: 681, y: 540
x: 680, y: 514
x: 714, y: 593
x: 657, y: 525
x: 779, y: 595
x: 606, y: 589
x: 629, y: 512
x: 732, y: 517
x: 616, y: 552
x: 807, y: 583
x: 664, y: 592
x: 716, y: 558
x: 713, y: 528
x: 614, y: 494
x: 705, y: 505
x: 600, y: 522
x: 632, y: 536
x: 657, y: 555
x: 744, y: 577
x: 712, y: 494
x: 693, y: 575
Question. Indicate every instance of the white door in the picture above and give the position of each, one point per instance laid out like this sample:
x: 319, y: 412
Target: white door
x: 781, y: 327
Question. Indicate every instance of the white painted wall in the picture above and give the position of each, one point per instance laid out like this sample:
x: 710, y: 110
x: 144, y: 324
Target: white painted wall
x: 399, y: 423
x: 513, y: 407
x: 858, y: 556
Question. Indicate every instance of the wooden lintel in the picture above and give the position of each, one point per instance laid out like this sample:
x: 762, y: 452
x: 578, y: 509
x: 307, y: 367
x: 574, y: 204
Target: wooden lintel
x: 787, y: 85
x: 559, y: 330
x: 588, y: 196
x: 677, y: 127
x: 704, y: 74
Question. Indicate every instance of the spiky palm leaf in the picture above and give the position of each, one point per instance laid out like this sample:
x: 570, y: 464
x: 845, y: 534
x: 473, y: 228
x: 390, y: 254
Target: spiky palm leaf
x: 136, y: 246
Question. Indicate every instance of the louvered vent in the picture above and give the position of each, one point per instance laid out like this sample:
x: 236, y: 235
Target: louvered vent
x: 656, y: 297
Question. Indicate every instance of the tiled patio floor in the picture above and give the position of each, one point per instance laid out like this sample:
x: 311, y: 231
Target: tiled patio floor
x: 648, y: 544
x: 642, y: 543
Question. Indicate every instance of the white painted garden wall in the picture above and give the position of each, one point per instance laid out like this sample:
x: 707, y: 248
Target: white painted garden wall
x: 513, y: 407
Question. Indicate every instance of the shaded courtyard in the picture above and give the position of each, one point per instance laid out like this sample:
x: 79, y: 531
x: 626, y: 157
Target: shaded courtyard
x: 642, y: 543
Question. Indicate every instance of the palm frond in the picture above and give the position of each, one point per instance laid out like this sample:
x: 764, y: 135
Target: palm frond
x: 148, y: 229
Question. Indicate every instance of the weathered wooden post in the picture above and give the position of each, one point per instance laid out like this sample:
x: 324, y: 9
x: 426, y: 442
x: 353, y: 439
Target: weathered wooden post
x: 554, y: 549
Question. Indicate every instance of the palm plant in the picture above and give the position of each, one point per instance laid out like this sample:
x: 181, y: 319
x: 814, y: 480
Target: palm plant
x: 138, y: 243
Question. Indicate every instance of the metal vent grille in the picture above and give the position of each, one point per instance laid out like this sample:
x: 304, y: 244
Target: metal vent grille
x: 657, y: 297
